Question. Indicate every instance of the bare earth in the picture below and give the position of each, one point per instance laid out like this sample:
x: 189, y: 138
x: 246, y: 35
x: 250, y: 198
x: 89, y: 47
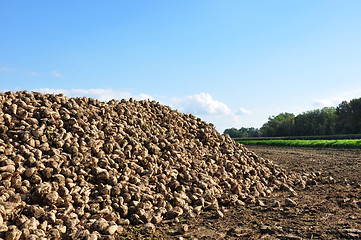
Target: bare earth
x: 330, y: 209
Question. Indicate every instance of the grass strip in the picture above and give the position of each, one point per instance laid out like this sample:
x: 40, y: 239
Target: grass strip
x: 345, y: 143
x: 315, y: 137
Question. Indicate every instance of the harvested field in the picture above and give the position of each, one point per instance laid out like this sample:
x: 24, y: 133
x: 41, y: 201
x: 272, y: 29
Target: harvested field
x: 78, y: 168
x: 328, y: 208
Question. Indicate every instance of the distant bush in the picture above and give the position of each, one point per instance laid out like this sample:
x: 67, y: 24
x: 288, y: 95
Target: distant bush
x: 242, y: 132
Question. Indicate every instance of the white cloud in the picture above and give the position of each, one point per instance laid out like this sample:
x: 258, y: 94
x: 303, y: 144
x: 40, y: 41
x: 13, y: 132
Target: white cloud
x: 31, y: 73
x: 57, y: 74
x: 243, y: 111
x: 97, y: 93
x: 321, y: 103
x: 143, y: 96
x: 201, y: 103
x: 14, y: 70
x: 5, y: 69
x: 336, y: 100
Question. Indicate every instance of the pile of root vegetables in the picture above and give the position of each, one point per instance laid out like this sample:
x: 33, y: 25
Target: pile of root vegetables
x: 78, y: 168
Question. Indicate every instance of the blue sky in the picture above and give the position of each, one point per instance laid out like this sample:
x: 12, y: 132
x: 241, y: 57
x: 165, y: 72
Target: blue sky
x: 233, y: 63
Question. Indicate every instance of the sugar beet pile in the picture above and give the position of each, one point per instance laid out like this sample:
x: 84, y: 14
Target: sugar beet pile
x: 81, y: 168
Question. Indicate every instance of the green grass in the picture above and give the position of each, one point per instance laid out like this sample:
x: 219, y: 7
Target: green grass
x: 316, y: 137
x: 344, y: 143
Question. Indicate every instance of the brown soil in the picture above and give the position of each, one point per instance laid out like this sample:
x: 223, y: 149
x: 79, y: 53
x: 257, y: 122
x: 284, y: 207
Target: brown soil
x: 323, y: 211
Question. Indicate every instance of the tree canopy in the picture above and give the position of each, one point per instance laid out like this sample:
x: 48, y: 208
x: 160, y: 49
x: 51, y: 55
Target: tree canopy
x: 344, y: 119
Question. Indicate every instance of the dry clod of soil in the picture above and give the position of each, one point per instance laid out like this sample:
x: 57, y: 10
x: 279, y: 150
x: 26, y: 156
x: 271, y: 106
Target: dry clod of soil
x: 330, y: 180
x: 183, y: 228
x: 290, y: 203
x: 266, y: 229
x: 260, y: 203
x: 219, y: 214
x: 274, y: 204
x: 351, y: 233
x: 81, y: 168
x: 148, y: 228
x: 290, y: 236
x: 239, y: 231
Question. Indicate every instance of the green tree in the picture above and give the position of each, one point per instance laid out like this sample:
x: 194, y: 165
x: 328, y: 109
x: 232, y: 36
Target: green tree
x: 329, y: 114
x: 316, y: 122
x: 349, y: 116
x: 280, y: 125
x: 242, y: 132
x: 345, y: 119
x: 233, y: 132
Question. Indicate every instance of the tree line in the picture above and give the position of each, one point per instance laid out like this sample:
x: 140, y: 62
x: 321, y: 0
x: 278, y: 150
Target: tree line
x: 344, y: 119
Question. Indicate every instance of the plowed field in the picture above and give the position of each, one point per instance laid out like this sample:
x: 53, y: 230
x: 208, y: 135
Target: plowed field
x: 329, y: 207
